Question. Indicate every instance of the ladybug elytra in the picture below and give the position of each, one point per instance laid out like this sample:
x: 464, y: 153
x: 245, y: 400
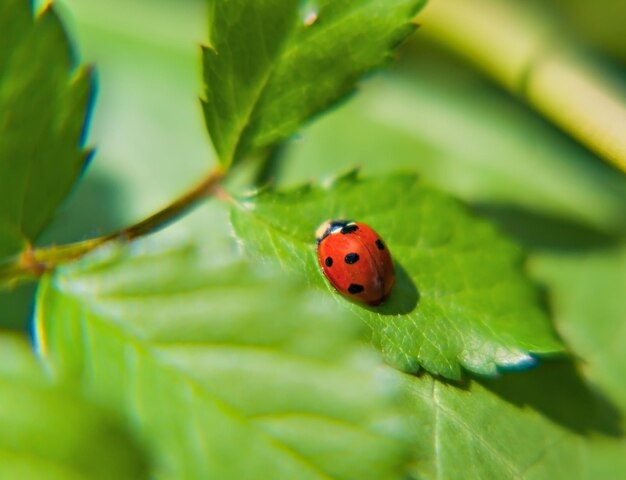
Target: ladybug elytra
x: 355, y: 261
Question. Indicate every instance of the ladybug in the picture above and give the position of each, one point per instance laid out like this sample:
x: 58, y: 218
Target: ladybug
x: 355, y: 261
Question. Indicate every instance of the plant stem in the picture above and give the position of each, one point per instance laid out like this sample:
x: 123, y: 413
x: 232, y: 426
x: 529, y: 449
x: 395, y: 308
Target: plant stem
x: 34, y: 262
x: 164, y: 217
x: 521, y: 50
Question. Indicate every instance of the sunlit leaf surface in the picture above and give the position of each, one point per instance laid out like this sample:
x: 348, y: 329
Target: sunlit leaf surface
x: 460, y: 297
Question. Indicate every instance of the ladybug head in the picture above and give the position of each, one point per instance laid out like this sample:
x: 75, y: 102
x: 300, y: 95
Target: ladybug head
x: 334, y: 226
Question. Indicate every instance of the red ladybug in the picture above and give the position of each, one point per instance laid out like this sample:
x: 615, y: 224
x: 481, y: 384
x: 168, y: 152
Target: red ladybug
x: 355, y: 261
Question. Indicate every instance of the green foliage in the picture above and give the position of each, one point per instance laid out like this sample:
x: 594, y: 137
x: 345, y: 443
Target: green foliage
x: 44, y: 106
x: 590, y: 310
x: 47, y: 432
x: 227, y: 371
x: 546, y: 423
x: 272, y: 64
x: 460, y: 298
x: 543, y: 424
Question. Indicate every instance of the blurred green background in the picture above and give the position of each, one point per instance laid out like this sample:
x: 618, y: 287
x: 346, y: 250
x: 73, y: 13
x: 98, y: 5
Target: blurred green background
x: 432, y: 112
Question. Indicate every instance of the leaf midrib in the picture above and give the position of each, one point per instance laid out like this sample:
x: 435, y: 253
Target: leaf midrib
x: 259, y: 94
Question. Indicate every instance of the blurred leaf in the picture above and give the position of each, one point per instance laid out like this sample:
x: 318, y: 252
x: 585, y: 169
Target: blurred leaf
x: 44, y: 106
x: 47, y: 432
x: 467, y: 139
x: 460, y: 298
x: 538, y: 425
x: 590, y: 311
x: 272, y: 64
x: 226, y: 370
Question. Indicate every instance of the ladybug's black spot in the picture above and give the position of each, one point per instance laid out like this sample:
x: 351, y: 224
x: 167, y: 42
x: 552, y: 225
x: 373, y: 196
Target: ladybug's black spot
x: 350, y: 228
x: 355, y: 288
x: 351, y: 258
x: 380, y: 244
x: 328, y: 262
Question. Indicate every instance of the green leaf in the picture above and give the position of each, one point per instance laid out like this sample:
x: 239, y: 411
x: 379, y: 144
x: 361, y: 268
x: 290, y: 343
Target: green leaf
x: 44, y: 106
x: 227, y: 371
x: 543, y: 424
x: 48, y: 432
x: 590, y: 309
x: 546, y: 423
x: 460, y: 298
x: 272, y: 64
